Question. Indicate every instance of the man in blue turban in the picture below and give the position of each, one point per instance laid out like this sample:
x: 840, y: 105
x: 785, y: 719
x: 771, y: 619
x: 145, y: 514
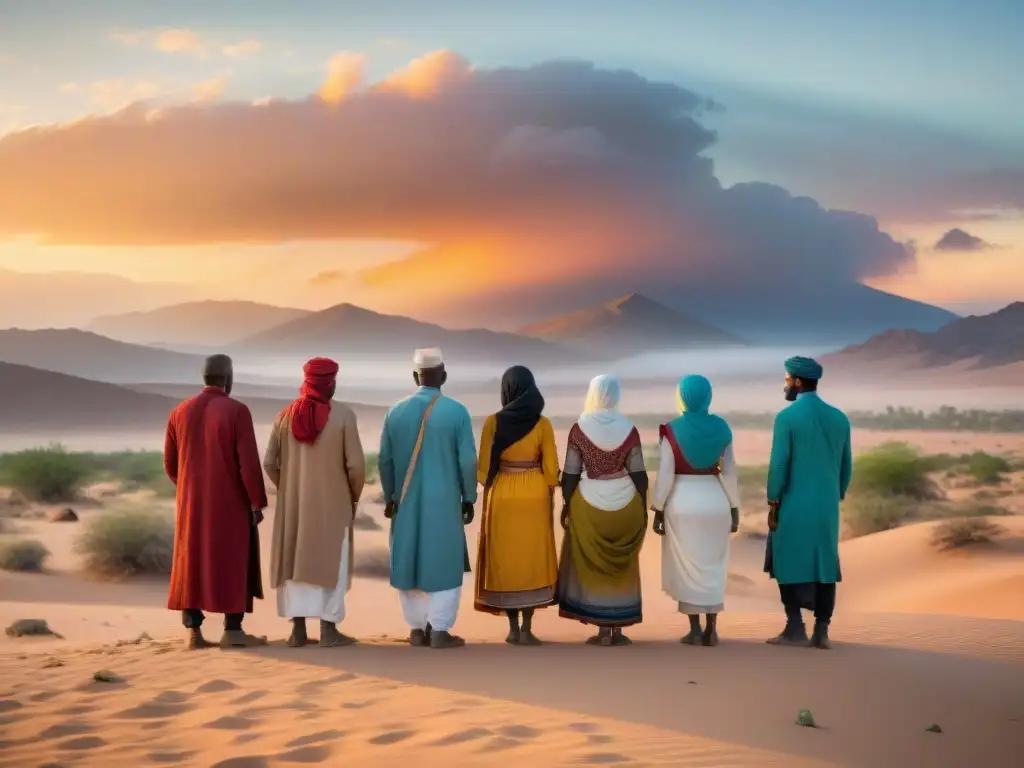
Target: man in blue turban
x: 808, y: 474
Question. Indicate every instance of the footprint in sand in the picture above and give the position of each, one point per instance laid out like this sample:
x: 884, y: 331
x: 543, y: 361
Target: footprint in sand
x: 219, y: 686
x: 245, y: 738
x: 43, y: 695
x: 253, y: 761
x: 604, y: 758
x: 172, y: 697
x: 501, y: 743
x: 315, y: 754
x: 519, y: 732
x: 63, y: 730
x: 250, y: 697
x: 314, y: 738
x: 78, y: 709
x: 462, y: 737
x: 230, y: 723
x: 9, y: 705
x: 164, y: 705
x: 357, y: 704
x: 345, y: 677
x: 392, y: 737
x: 583, y: 727
x: 600, y: 738
x: 82, y: 743
x: 169, y: 758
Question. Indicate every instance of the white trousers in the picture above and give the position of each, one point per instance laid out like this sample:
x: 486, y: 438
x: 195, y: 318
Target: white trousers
x: 298, y: 600
x: 438, y: 609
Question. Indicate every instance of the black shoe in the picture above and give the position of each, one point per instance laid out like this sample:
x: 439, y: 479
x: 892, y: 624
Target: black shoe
x: 820, y: 637
x: 793, y: 634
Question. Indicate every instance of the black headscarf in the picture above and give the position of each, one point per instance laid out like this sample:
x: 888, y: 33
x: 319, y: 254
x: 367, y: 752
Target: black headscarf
x: 521, y: 406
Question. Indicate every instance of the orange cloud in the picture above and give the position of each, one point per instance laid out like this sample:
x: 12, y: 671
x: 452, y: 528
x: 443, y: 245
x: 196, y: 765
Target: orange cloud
x: 242, y: 50
x: 344, y: 75
x: 210, y: 90
x: 561, y: 173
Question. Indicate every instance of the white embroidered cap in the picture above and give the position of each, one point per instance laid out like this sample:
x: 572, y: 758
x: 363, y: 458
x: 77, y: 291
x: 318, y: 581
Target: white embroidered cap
x: 424, y: 359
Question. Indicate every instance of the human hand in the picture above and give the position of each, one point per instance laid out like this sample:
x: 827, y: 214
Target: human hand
x: 467, y: 513
x: 257, y: 516
x: 659, y: 522
x: 389, y: 510
x: 565, y: 517
x: 735, y: 520
x: 773, y: 515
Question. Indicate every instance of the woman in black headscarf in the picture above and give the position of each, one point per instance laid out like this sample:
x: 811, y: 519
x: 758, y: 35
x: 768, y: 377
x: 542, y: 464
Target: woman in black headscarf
x: 517, y: 567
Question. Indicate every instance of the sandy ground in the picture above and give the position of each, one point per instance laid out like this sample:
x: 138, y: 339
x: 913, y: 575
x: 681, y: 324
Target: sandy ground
x: 921, y: 637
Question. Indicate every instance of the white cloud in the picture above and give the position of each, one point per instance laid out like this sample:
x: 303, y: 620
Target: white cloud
x: 182, y: 40
x: 116, y: 93
x: 210, y: 90
x: 241, y: 50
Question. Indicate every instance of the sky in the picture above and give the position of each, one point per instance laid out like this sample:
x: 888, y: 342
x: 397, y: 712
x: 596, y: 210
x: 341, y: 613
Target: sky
x: 379, y: 152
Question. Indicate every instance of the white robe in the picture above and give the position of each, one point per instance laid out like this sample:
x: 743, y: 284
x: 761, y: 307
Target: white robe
x: 695, y: 547
x: 296, y: 599
x: 438, y: 609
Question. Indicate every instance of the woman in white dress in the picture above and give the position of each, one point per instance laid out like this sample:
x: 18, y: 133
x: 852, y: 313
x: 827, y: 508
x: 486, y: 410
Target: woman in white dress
x: 696, y: 507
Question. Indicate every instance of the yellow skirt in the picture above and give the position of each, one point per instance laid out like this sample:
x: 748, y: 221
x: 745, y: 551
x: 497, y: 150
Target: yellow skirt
x: 517, y: 565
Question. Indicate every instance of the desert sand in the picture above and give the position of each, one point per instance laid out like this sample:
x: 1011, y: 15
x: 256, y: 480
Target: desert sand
x: 921, y: 637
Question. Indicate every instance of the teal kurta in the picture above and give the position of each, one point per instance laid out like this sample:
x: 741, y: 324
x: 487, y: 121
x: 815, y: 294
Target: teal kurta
x: 428, y: 540
x: 809, y: 473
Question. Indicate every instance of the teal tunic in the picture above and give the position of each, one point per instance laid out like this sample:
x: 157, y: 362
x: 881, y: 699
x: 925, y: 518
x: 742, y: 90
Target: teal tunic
x: 428, y: 540
x: 809, y: 473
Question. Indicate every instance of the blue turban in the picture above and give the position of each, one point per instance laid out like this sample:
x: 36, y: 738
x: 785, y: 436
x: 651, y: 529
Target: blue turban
x: 702, y: 436
x: 804, y: 368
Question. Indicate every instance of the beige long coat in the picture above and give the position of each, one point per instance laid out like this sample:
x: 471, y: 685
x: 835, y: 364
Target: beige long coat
x: 318, y: 488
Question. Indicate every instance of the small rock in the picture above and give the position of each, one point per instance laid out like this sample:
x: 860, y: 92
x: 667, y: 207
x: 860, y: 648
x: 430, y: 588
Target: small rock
x: 67, y: 515
x: 31, y: 627
x: 106, y: 676
x: 806, y: 719
x: 934, y: 728
x: 52, y: 663
x: 691, y: 682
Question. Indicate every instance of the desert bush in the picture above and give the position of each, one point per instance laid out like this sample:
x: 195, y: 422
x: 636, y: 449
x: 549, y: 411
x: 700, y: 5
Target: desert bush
x: 128, y: 542
x: 894, y: 469
x: 985, y: 468
x: 134, y: 470
x: 45, y: 474
x: 872, y: 513
x: 26, y: 555
x: 372, y: 468
x: 373, y: 563
x: 965, y: 532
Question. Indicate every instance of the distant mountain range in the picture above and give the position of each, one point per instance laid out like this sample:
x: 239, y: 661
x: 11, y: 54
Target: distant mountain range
x: 195, y: 324
x: 43, y: 402
x: 348, y: 330
x: 91, y: 356
x: 628, y: 325
x: 988, y: 345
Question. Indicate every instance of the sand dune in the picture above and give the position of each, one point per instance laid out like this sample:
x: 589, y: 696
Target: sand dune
x: 910, y: 651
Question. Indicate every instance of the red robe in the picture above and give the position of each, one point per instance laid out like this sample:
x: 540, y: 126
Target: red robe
x: 210, y: 454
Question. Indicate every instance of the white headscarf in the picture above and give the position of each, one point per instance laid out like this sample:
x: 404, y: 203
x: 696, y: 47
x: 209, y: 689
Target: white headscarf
x: 601, y: 421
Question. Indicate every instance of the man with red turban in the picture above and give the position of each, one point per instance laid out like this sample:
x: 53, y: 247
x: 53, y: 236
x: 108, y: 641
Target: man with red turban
x: 316, y: 460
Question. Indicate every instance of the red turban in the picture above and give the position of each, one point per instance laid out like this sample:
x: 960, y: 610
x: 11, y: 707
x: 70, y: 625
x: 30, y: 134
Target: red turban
x: 311, y: 408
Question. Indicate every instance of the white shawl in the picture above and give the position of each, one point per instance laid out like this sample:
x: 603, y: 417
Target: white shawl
x: 607, y: 429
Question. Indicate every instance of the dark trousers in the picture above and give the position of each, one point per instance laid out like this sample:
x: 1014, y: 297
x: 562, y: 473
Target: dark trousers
x: 193, y: 619
x: 796, y: 596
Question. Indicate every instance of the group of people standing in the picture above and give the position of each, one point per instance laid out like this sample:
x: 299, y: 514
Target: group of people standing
x: 430, y: 473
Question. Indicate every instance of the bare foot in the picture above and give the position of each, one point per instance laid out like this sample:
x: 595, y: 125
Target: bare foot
x: 693, y: 637
x: 620, y: 639
x: 236, y: 638
x: 330, y: 637
x: 526, y: 637
x: 513, y: 637
x: 196, y: 641
x: 440, y: 639
x: 709, y: 638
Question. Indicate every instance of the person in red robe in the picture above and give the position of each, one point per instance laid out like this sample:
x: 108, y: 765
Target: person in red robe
x: 210, y: 454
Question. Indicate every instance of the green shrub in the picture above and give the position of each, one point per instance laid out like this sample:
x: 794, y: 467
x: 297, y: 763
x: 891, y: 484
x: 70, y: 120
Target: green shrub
x: 965, y: 532
x: 372, y: 468
x: 45, y: 474
x: 894, y: 469
x: 134, y: 470
x: 985, y: 468
x: 871, y: 513
x: 26, y: 555
x: 128, y: 542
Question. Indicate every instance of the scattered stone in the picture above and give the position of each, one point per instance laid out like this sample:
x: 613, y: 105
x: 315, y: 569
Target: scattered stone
x: 691, y: 682
x: 52, y: 663
x: 934, y: 728
x: 30, y: 628
x: 66, y: 515
x: 805, y: 719
x: 106, y: 676
x: 143, y: 638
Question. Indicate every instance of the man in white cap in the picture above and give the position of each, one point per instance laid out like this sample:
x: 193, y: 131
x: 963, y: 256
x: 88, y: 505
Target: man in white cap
x: 428, y: 473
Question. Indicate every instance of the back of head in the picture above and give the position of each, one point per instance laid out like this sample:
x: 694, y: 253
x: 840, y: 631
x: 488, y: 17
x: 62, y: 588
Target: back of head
x: 694, y: 394
x: 428, y: 368
x: 516, y: 383
x: 218, y: 371
x: 604, y: 394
